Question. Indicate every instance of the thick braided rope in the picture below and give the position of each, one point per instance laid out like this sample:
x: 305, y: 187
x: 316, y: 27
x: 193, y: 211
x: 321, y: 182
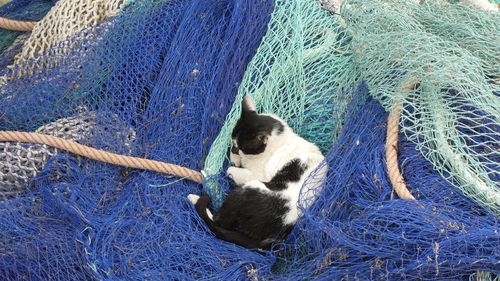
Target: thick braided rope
x: 101, y: 155
x: 391, y: 155
x: 16, y: 25
x: 391, y: 148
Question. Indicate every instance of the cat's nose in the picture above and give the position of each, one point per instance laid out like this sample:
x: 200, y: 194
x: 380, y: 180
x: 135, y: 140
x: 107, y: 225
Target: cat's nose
x: 235, y: 150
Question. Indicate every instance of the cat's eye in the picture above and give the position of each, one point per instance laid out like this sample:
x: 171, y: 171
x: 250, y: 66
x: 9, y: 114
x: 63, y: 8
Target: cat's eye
x: 261, y: 137
x: 235, y: 150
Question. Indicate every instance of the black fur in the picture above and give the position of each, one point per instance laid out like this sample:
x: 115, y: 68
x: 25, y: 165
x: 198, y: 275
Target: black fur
x: 251, y: 218
x: 247, y: 218
x: 252, y: 130
x: 291, y: 172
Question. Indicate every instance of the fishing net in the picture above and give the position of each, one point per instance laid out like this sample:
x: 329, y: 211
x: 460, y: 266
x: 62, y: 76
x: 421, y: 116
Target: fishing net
x: 164, y: 80
x: 358, y: 230
x: 11, y: 41
x: 455, y: 64
x: 452, y: 112
x: 162, y: 70
x: 487, y: 5
x: 66, y: 19
x: 292, y: 75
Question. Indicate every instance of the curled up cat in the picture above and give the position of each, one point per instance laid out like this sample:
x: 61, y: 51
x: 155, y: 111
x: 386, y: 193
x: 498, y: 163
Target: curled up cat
x: 270, y: 165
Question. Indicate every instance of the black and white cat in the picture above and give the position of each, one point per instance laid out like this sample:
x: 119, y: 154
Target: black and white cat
x: 271, y: 164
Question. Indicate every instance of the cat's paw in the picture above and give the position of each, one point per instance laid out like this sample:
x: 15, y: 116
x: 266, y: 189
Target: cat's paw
x: 193, y: 198
x: 230, y: 171
x: 239, y: 175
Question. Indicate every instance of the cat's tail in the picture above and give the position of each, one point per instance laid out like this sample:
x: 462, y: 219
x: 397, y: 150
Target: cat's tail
x: 201, y: 206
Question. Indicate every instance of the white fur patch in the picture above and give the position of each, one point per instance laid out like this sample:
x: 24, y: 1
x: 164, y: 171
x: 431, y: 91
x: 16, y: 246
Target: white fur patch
x: 235, y: 159
x: 210, y: 214
x: 240, y: 175
x: 194, y: 199
x: 258, y: 185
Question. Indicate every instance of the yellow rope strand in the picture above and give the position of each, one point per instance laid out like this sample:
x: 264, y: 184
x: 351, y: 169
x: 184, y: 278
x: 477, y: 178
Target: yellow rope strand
x: 391, y: 147
x: 391, y: 155
x: 16, y: 25
x: 391, y: 152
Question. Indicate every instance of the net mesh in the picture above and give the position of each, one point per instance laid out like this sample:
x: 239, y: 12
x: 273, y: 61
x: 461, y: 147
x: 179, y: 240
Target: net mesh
x: 300, y: 73
x: 358, y: 230
x: 66, y: 19
x: 454, y: 63
x: 12, y: 41
x: 21, y: 162
x: 488, y: 5
x: 167, y: 70
x: 164, y: 80
x: 450, y: 114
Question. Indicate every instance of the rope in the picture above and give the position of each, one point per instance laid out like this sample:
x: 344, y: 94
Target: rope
x: 391, y: 149
x: 16, y: 25
x: 391, y: 153
x: 101, y: 155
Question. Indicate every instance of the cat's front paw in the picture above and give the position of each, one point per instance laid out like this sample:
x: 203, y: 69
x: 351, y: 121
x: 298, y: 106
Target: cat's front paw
x: 231, y: 171
x: 239, y: 175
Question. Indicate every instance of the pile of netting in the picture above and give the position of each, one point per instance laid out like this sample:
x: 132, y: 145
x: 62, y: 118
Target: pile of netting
x: 12, y: 41
x: 163, y: 80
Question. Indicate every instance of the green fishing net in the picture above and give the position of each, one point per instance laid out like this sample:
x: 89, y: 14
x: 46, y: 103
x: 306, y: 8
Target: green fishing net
x: 450, y: 53
x: 439, y: 61
x: 298, y: 73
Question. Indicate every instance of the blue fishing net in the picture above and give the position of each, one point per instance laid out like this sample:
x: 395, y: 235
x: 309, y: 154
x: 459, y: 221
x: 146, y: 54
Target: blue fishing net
x: 162, y: 74
x: 359, y: 230
x: 158, y: 81
x: 26, y: 10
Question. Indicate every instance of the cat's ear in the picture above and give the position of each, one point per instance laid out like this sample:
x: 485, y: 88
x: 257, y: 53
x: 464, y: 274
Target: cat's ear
x: 247, y: 105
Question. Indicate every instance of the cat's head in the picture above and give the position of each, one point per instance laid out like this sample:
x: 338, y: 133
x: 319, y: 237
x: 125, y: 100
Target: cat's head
x: 253, y: 131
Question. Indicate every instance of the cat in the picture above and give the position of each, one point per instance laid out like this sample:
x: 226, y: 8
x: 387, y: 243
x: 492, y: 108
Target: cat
x: 270, y: 165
